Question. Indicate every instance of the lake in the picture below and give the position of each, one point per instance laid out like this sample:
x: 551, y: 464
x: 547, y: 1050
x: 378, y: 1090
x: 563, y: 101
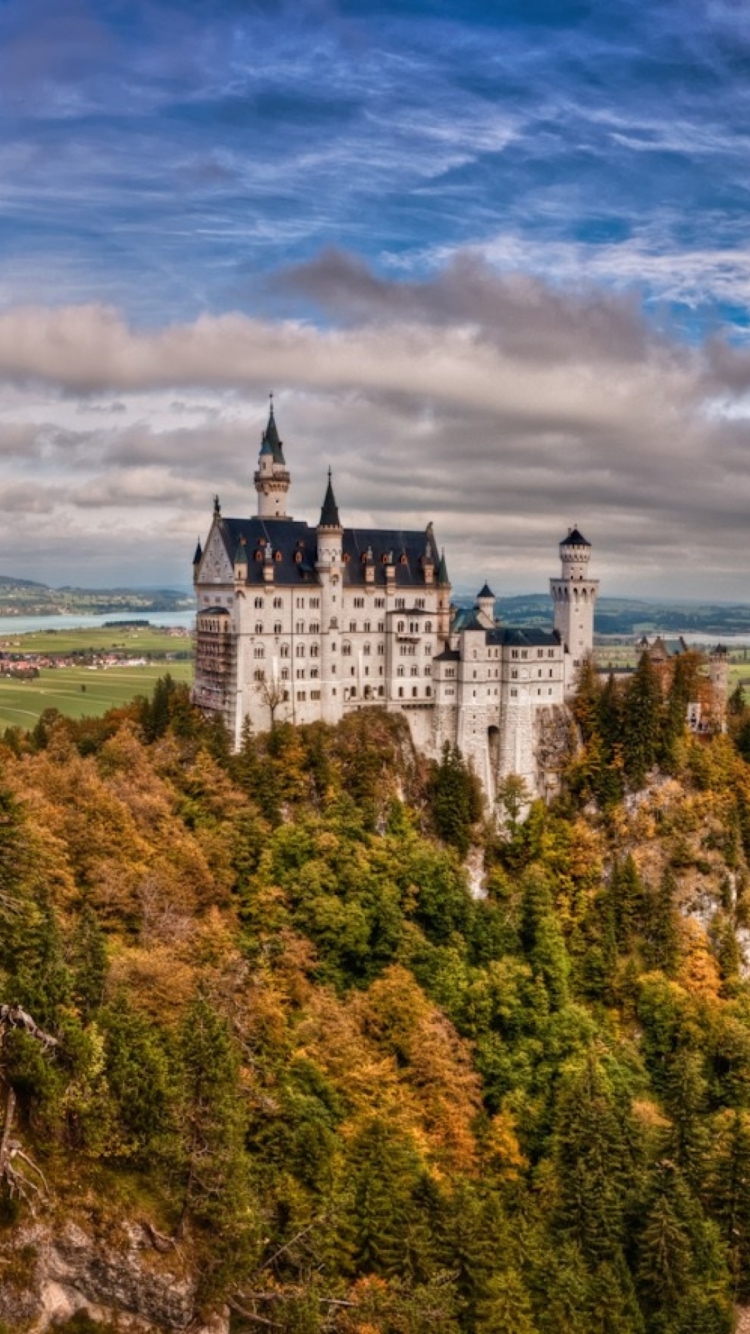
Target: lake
x: 19, y: 625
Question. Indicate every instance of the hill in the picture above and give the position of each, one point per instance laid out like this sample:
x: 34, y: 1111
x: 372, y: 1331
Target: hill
x: 272, y: 1058
x: 632, y: 616
x: 27, y: 598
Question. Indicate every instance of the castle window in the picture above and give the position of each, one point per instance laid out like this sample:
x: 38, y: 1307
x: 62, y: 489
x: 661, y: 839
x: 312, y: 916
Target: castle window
x: 277, y: 602
x: 550, y: 653
x: 428, y: 627
x: 514, y: 653
x: 285, y: 673
x: 314, y: 694
x: 513, y: 690
x: 300, y: 627
x: 381, y: 648
x: 428, y: 692
x: 414, y: 671
x: 301, y: 695
x: 300, y: 603
x: 414, y: 691
x: 359, y: 602
x: 259, y: 674
x: 314, y: 650
x: 524, y: 654
x: 259, y: 554
x: 259, y: 651
x: 400, y: 671
x: 400, y: 604
x: 367, y: 671
x: 380, y: 602
x: 353, y: 627
x: 346, y: 558
x: 284, y: 651
x: 259, y: 603
x: 419, y: 602
x: 401, y: 692
x: 353, y: 671
x: 315, y: 627
x: 258, y: 628
x: 401, y: 627
x: 297, y: 557
x: 300, y: 651
x: 514, y: 674
x: 381, y: 691
x: 539, y: 673
x: 347, y: 650
x: 550, y: 671
x: 366, y: 627
x: 367, y: 650
x: 277, y: 556
x: 428, y: 670
x: 314, y: 673
x: 413, y: 627
x: 540, y: 653
x: 300, y: 673
x: 277, y: 627
x: 380, y: 671
x: 315, y: 603
x: 428, y: 650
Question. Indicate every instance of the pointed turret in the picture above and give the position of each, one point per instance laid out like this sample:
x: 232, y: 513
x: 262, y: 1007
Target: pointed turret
x: 329, y: 514
x: 443, y: 570
x: 486, y: 605
x: 198, y: 557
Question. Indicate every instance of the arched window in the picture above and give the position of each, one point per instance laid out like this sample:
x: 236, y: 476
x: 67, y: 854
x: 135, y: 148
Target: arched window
x: 277, y: 627
x: 259, y: 651
x: 401, y: 627
x: 428, y: 627
x: 367, y: 650
x: 300, y: 651
x: 314, y: 650
x: 259, y: 603
x: 258, y: 628
x: 346, y: 649
x: 284, y: 651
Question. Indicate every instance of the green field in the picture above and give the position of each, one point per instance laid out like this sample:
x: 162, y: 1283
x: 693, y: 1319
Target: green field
x: 80, y: 692
x: 139, y: 640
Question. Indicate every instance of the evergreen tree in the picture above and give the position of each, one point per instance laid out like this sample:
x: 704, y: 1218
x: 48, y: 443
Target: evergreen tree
x: 663, y: 926
x: 642, y: 721
x: 456, y: 799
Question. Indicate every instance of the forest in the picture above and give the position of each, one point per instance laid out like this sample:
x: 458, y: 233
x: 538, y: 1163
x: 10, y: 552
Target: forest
x: 263, y: 1002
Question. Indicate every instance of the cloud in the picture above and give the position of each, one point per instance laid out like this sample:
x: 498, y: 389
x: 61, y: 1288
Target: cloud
x: 501, y: 408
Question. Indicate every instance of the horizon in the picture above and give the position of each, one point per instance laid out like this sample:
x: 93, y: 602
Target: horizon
x: 467, y: 251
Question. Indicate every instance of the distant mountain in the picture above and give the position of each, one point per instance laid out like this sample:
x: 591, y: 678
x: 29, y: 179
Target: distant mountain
x: 631, y: 616
x: 28, y: 598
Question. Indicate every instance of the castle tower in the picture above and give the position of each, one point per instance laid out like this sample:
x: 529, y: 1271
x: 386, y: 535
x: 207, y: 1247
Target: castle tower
x: 486, y: 605
x: 271, y: 477
x: 444, y: 600
x: 329, y: 565
x: 574, y: 597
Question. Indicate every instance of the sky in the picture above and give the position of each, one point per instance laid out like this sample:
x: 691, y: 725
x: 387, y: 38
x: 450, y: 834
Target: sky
x: 492, y: 259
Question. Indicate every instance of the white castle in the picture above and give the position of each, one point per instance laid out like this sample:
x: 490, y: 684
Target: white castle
x: 300, y: 623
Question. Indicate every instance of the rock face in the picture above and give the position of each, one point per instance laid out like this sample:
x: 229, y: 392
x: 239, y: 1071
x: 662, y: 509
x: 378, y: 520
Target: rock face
x: 49, y: 1274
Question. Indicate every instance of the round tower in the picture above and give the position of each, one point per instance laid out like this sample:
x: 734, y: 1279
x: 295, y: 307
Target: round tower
x: 329, y: 568
x: 271, y: 478
x: 574, y: 597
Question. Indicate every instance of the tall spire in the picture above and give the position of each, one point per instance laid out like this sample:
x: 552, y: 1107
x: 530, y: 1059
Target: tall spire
x: 329, y: 515
x: 270, y: 442
x: 443, y: 570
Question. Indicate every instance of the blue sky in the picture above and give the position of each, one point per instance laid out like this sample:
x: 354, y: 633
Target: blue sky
x: 494, y: 260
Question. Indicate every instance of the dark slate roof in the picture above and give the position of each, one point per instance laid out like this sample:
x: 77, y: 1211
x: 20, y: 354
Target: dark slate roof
x: 442, y: 574
x: 198, y: 553
x: 523, y: 638
x: 448, y: 655
x: 270, y: 443
x: 329, y: 515
x: 297, y: 545
x: 485, y: 592
x: 467, y: 618
x: 575, y: 538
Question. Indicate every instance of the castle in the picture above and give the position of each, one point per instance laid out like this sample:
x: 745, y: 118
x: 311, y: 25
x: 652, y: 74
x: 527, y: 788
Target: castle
x: 301, y: 623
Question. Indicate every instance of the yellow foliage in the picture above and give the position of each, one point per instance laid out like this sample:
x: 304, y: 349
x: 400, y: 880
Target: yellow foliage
x: 699, y: 972
x: 501, y: 1150
x: 155, y: 980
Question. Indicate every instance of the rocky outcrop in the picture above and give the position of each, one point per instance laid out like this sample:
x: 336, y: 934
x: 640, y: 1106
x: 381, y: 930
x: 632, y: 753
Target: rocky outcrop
x: 49, y: 1274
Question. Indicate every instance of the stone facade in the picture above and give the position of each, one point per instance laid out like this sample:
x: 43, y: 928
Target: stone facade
x: 301, y: 623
